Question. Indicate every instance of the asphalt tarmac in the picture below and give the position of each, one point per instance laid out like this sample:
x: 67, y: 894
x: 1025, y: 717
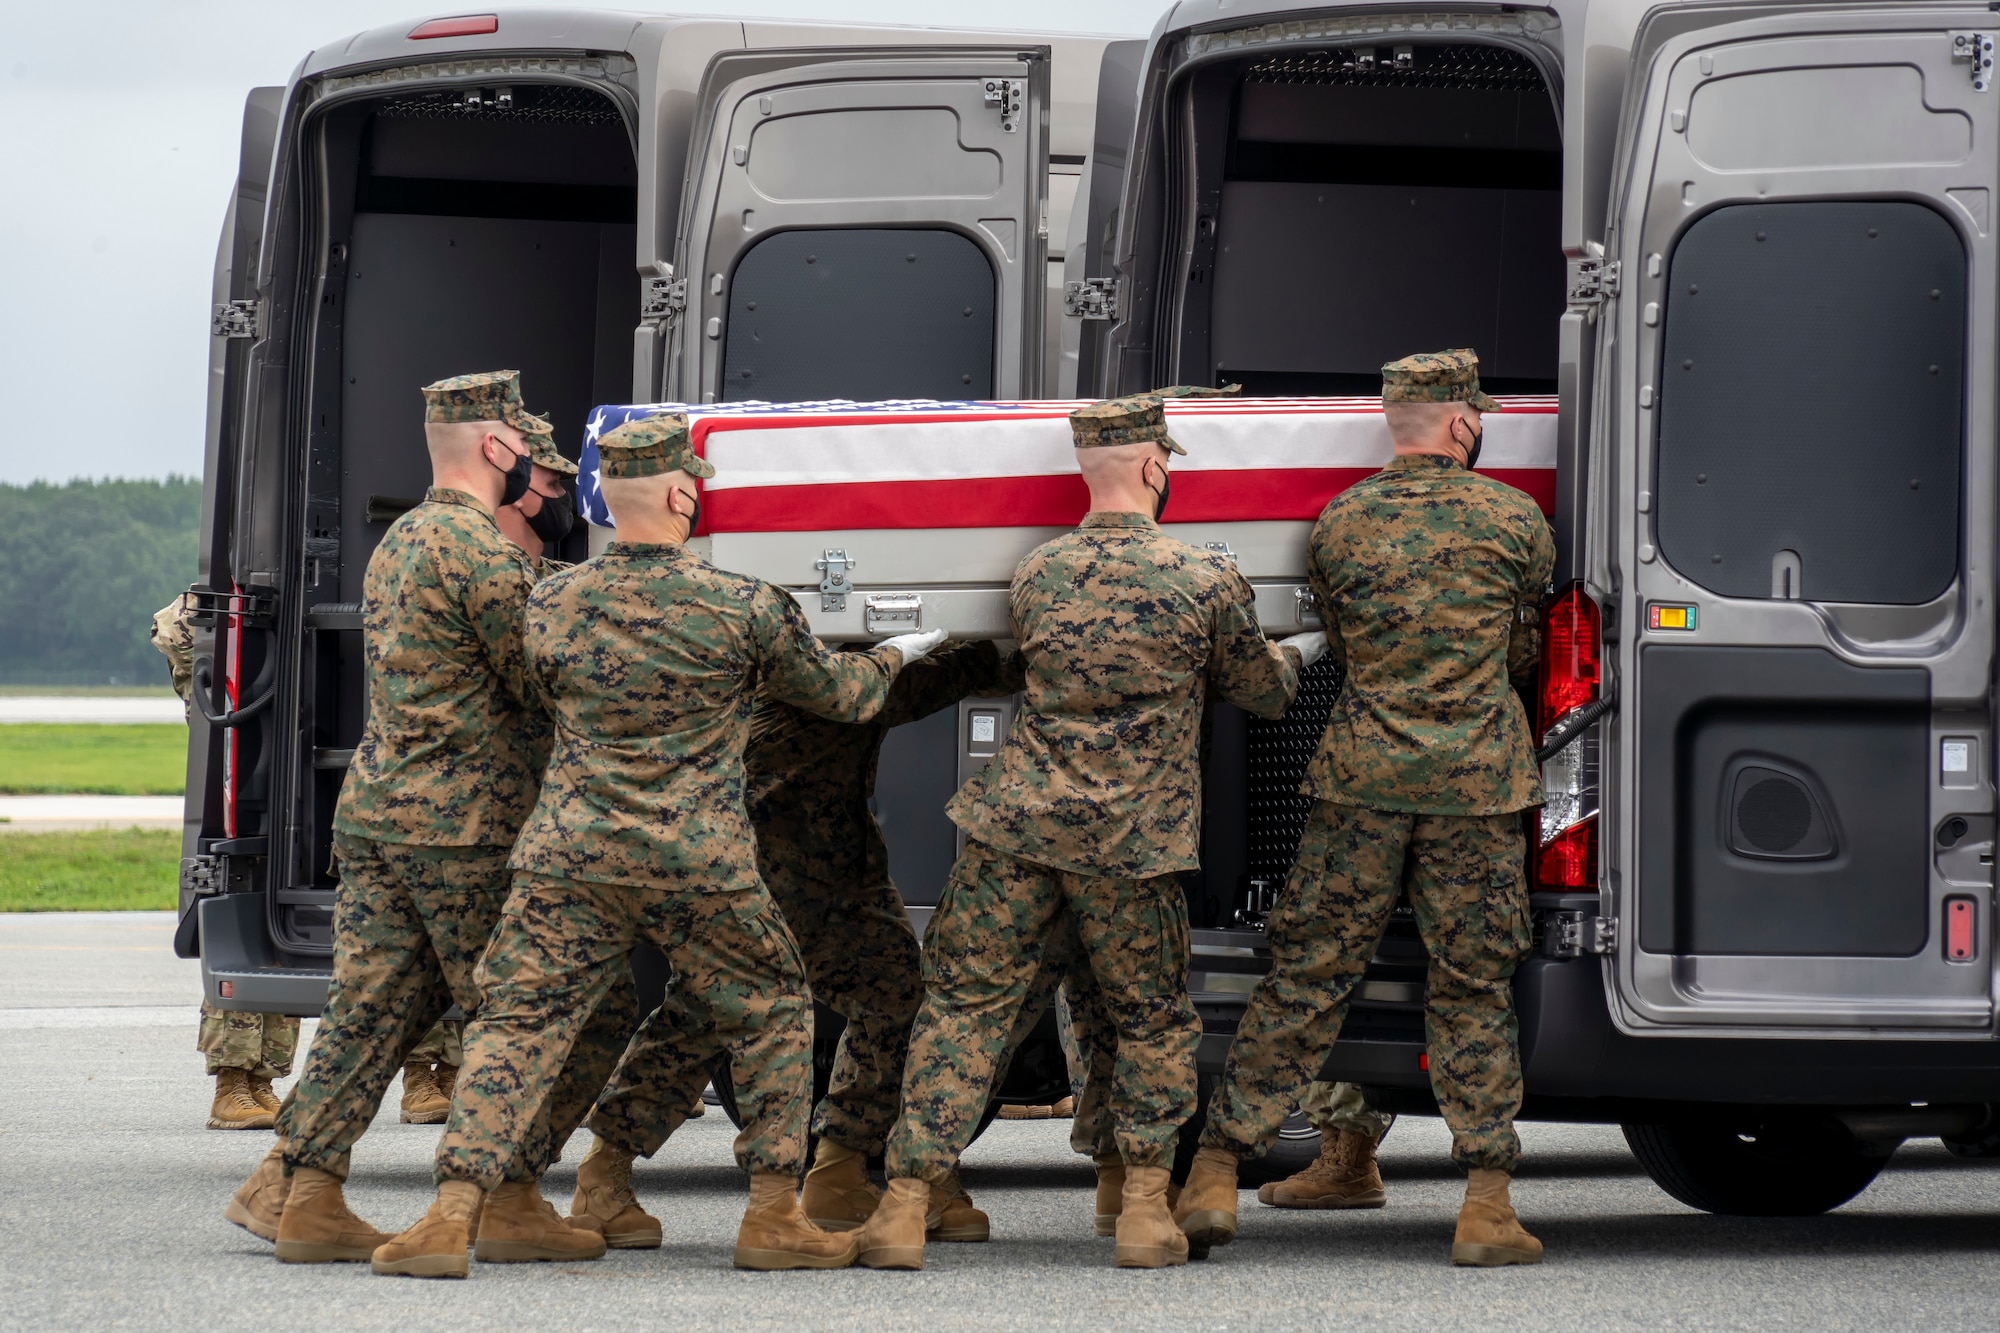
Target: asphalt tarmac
x: 111, y: 1196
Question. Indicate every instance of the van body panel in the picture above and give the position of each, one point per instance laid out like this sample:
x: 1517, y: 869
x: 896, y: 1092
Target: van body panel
x: 1799, y: 778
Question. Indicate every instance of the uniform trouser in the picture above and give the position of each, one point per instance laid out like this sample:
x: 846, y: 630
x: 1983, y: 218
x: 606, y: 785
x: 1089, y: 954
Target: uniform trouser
x: 1341, y: 1106
x: 260, y: 1044
x: 443, y: 1045
x: 561, y: 947
x: 986, y: 948
x: 410, y: 924
x: 1090, y: 1047
x: 640, y: 1109
x: 862, y: 961
x: 1463, y: 874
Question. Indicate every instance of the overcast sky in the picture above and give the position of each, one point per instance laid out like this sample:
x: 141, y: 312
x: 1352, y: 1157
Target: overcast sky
x: 118, y: 128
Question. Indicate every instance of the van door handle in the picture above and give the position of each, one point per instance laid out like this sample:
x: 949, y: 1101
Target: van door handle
x: 1573, y: 724
x: 204, y: 682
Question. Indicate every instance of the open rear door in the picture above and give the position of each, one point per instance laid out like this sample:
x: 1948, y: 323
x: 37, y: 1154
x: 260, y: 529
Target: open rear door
x: 866, y: 225
x: 1794, y: 480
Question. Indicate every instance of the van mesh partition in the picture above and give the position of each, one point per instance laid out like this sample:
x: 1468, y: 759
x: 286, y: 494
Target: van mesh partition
x: 1279, y: 754
x: 1493, y: 68
x: 524, y: 104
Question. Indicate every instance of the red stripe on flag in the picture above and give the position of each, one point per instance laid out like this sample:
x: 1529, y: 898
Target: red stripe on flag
x: 1247, y: 495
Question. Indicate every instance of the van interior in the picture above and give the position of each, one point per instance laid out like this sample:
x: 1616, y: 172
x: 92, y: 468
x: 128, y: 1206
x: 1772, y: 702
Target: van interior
x: 462, y: 231
x: 1351, y: 205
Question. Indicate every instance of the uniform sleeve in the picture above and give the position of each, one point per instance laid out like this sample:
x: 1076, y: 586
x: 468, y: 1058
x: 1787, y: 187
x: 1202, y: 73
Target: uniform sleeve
x: 1524, y: 637
x: 496, y: 604
x: 796, y: 669
x: 1248, y: 669
x: 1325, y: 594
x: 957, y: 671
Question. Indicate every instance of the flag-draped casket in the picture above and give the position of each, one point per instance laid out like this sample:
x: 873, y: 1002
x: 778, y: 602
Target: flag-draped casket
x: 884, y: 517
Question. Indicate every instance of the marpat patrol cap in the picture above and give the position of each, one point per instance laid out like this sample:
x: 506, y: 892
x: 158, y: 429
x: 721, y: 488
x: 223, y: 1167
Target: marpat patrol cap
x: 493, y: 395
x: 1194, y: 391
x: 1137, y: 420
x: 542, y: 448
x: 649, y: 446
x: 1436, y: 377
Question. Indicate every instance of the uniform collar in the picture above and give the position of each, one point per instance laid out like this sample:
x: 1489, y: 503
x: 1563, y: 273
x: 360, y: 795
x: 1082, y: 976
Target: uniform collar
x: 1104, y: 518
x: 447, y: 495
x: 647, y: 550
x: 1418, y: 462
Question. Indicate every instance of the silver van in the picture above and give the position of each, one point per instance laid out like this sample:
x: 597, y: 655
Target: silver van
x: 1750, y: 246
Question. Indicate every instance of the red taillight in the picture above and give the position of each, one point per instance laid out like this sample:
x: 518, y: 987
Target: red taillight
x: 1571, y: 665
x: 465, y: 25
x: 1569, y: 860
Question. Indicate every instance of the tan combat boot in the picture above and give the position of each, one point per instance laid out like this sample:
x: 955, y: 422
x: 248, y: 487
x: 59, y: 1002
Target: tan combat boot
x: 260, y: 1201
x: 1147, y: 1236
x: 1489, y: 1235
x: 1110, y: 1193
x: 234, y: 1107
x: 1064, y: 1109
x: 775, y: 1235
x: 894, y: 1236
x: 436, y: 1245
x: 519, y: 1226
x: 261, y: 1093
x: 605, y: 1201
x: 951, y: 1216
x: 447, y: 1081
x: 317, y: 1226
x: 423, y: 1102
x: 838, y: 1196
x: 1343, y: 1176
x: 1207, y: 1209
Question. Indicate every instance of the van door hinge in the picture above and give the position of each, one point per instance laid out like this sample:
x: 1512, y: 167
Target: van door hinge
x: 1976, y: 48
x: 234, y: 319
x: 1092, y: 298
x: 1008, y: 96
x: 663, y: 298
x: 834, y: 584
x: 202, y: 875
x: 1574, y: 934
x: 1591, y: 279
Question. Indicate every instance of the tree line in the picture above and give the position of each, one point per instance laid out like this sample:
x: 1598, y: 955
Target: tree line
x: 87, y: 563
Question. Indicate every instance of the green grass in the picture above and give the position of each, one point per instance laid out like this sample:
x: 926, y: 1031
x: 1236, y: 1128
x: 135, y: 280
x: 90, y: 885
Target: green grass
x: 103, y: 870
x: 53, y: 757
x: 86, y: 691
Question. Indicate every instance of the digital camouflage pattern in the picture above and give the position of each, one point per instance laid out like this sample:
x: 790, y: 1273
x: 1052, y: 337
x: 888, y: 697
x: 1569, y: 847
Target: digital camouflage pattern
x: 493, y: 395
x: 1341, y: 1106
x: 172, y: 632
x: 410, y: 924
x: 1194, y: 391
x: 1464, y: 877
x: 1429, y: 578
x: 738, y: 986
x: 452, y: 752
x: 1436, y: 377
x: 259, y: 1044
x: 1124, y: 631
x: 1002, y: 933
x: 443, y: 1045
x: 542, y: 448
x: 651, y: 660
x: 1136, y: 420
x: 650, y: 445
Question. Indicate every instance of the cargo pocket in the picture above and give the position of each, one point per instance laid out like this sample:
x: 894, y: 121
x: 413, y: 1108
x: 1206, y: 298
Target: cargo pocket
x: 766, y: 938
x: 1510, y: 932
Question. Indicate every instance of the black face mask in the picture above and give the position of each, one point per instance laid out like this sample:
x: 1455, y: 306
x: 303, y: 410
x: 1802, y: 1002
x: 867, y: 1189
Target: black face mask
x: 518, y: 477
x: 1160, y: 496
x: 693, y: 519
x: 555, y: 518
x: 1472, y: 454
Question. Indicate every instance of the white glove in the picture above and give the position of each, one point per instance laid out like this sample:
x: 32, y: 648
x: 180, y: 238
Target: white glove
x: 915, y: 647
x: 1311, y: 646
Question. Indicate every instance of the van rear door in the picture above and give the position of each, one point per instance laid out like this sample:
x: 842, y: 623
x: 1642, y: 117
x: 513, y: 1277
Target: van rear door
x: 865, y: 224
x: 1794, y: 483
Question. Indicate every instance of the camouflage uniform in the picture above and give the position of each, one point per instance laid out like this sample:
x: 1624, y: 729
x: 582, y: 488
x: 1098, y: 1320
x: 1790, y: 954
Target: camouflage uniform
x: 1084, y: 818
x: 820, y: 852
x: 1341, y: 1106
x: 448, y: 766
x: 260, y: 1044
x: 651, y: 660
x: 1428, y: 574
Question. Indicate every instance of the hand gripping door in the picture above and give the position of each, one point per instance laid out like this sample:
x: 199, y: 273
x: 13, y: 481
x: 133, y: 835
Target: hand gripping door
x: 1795, y: 476
x: 865, y: 225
